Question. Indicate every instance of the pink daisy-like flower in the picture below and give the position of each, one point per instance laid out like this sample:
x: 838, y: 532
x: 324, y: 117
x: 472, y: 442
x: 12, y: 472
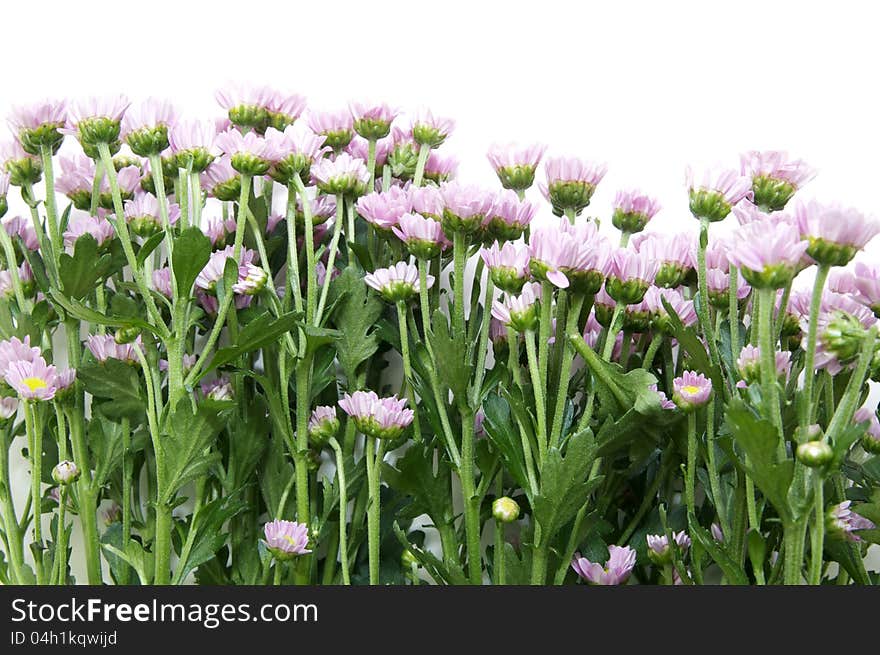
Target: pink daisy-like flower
x: 81, y: 223
x: 547, y: 253
x: 22, y: 228
x: 665, y: 403
x: 372, y: 121
x: 632, y: 210
x: 219, y: 389
x: 32, y: 379
x: 871, y: 442
x: 381, y: 418
x: 250, y: 153
x: 221, y: 180
x: 776, y: 165
x: 112, y: 108
x: 440, y: 168
x: 674, y: 252
x: 835, y: 233
x: 840, y: 328
x: 430, y: 130
x: 464, y: 206
x: 767, y: 256
x: 423, y: 236
x: 213, y: 271
x: 519, y: 312
x: 659, y: 544
x: 162, y: 281
x: 427, y: 201
x: 343, y: 175
x: 399, y: 282
x: 143, y: 214
x: 104, y: 347
x: 844, y: 522
x: 383, y: 209
x: 715, y: 192
x: 691, y: 390
x: 323, y: 424
x: 337, y: 127
x: 45, y: 112
x: 749, y: 364
x: 14, y: 350
x: 508, y: 265
x: 867, y: 283
x: 189, y: 136
x: 150, y: 114
x: 508, y: 217
x: 571, y: 182
x: 515, y: 165
x: 682, y: 307
x: 286, y: 540
x: 616, y: 571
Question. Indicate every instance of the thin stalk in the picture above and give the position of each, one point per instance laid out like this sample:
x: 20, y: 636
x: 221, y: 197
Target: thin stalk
x: 541, y: 418
x: 407, y: 368
x: 483, y: 343
x: 374, y: 454
x: 705, y: 322
x: 571, y: 322
x: 805, y: 399
x: 424, y: 151
x: 817, y: 536
x: 343, y: 506
x: 471, y: 500
x: 769, y: 382
x: 11, y: 527
x: 51, y: 205
x: 331, y: 258
x: 691, y: 479
x: 35, y: 450
x: 733, y: 311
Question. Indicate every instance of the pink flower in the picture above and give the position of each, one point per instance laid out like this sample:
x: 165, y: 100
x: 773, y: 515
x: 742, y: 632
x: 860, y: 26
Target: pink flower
x: 519, y: 312
x: 749, y: 364
x: 430, y: 130
x: 81, y: 223
x: 16, y: 226
x: 286, y: 539
x: 845, y: 522
x: 509, y: 216
x: 247, y: 95
x: 213, y: 271
x: 465, y: 206
x: 284, y: 108
x: 659, y: 544
x: 835, y: 232
x: 683, y: 308
x: 14, y: 350
x: 730, y: 185
x: 511, y: 156
x: 189, y: 136
x: 329, y: 121
x: 38, y: 114
x: 111, y: 108
x: 359, y: 147
x: 144, y: 216
x: 104, y: 347
x: 162, y: 281
x: 383, y: 209
x: 322, y: 417
x: 298, y: 147
x: 32, y: 379
x: 439, y: 168
x: 398, y: 282
x: 767, y: 256
x: 665, y: 403
x: 869, y: 416
x: 548, y: 255
x: 562, y: 170
x: 776, y: 165
x: 150, y: 114
x: 508, y: 260
x: 691, y: 390
x: 219, y: 178
x: 423, y: 236
x: 867, y: 283
x: 248, y: 153
x: 427, y: 201
x: 219, y: 389
x: 342, y: 175
x: 616, y: 571
x: 632, y: 210
x: 381, y: 418
x: 372, y: 121
x: 839, y: 323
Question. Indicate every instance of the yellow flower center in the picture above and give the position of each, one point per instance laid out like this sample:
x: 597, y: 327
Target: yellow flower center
x: 290, y: 540
x: 34, y: 383
x: 691, y: 389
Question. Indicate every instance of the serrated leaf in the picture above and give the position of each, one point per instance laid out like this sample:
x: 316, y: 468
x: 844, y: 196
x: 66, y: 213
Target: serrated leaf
x: 79, y: 272
x: 186, y: 436
x: 263, y: 330
x: 192, y: 250
x: 501, y: 429
x: 355, y: 315
x: 449, y: 359
x: 116, y: 382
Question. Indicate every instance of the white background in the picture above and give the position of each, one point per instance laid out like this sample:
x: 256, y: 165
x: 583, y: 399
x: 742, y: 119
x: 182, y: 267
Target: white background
x: 646, y: 86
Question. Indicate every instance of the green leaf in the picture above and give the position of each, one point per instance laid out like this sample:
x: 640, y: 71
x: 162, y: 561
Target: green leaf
x: 413, y: 475
x: 116, y: 382
x: 80, y: 272
x: 355, y: 315
x: 565, y: 484
x: 502, y: 431
x: 83, y: 313
x: 186, y: 436
x: 149, y: 246
x: 192, y: 250
x: 758, y: 439
x: 259, y: 332
x: 733, y: 572
x: 450, y: 360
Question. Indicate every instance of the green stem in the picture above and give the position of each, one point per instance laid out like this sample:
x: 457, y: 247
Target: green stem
x: 51, y: 206
x: 712, y: 465
x: 293, y: 283
x: 541, y: 418
x: 407, y: 368
x: 371, y: 163
x: 11, y: 528
x: 88, y: 509
x: 691, y: 479
x: 127, y: 466
x: 651, y: 352
x: 59, y: 575
x: 343, y: 506
x: 565, y: 370
x: 331, y: 258
x: 240, y: 216
x: 733, y: 312
x: 425, y: 303
x: 769, y: 382
x: 805, y: 406
x: 544, y: 333
x: 373, y: 456
x: 705, y: 321
x: 125, y: 240
x: 424, y: 151
x: 35, y: 450
x: 818, y: 533
x: 303, y: 384
x: 309, y: 245
x: 459, y: 254
x: 471, y: 499
x: 483, y: 344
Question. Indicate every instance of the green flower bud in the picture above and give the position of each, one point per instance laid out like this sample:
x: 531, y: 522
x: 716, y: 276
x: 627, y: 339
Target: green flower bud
x: 65, y: 472
x: 814, y: 453
x: 771, y: 194
x: 708, y: 204
x: 505, y: 510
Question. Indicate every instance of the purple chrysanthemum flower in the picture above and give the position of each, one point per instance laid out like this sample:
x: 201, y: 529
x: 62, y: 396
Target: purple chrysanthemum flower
x: 423, y: 236
x: 835, y: 233
x: 143, y: 214
x: 294, y: 151
x: 465, y: 207
x: 691, y: 390
x: 508, y: 265
x: 323, y: 424
x: 658, y: 544
x: 775, y: 176
x: 768, y: 256
x: 286, y: 540
x: 683, y: 307
x: 548, y: 254
x: 516, y: 165
x: 440, y: 168
x: 843, y: 522
x: 383, y: 209
x: 396, y: 283
x: 519, y: 312
x: 714, y: 194
x: 616, y: 571
x: 631, y: 274
x: 81, y: 223
x: 674, y: 252
x: 249, y: 154
x: 867, y: 284
x: 633, y: 210
x: 32, y: 379
x: 192, y: 143
x: 146, y: 126
x: 427, y: 201
x: 343, y: 175
x: 372, y: 121
x: 104, y: 347
x: 336, y: 127
x: 749, y: 364
x: 213, y: 271
x: 221, y: 180
x: 381, y: 418
x: 508, y: 217
x: 430, y: 130
x: 571, y: 183
x: 220, y: 389
x: 39, y: 124
x: 665, y: 403
x: 840, y: 327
